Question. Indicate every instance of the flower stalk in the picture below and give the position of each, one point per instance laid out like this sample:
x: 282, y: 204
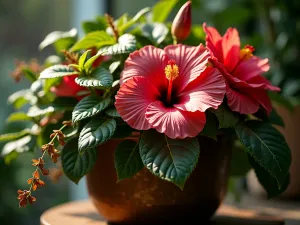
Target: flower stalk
x: 35, y: 181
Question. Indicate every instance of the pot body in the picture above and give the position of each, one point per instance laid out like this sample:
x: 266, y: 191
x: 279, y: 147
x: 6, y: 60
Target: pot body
x: 291, y: 132
x: 146, y: 199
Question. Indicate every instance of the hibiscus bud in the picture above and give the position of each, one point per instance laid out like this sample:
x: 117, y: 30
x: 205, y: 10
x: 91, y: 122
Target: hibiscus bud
x: 181, y: 26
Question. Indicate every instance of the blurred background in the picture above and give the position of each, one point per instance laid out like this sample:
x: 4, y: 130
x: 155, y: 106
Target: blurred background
x: 272, y: 26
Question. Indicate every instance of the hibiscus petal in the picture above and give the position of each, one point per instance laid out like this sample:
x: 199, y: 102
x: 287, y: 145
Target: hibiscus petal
x: 231, y: 48
x: 250, y: 71
x: 148, y: 62
x: 261, y: 96
x: 213, y: 41
x: 207, y: 91
x: 132, y: 100
x: 174, y: 122
x: 240, y: 102
x: 191, y: 61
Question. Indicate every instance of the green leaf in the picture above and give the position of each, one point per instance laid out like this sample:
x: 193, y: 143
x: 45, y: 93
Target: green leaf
x: 162, y: 9
x: 22, y: 97
x: 269, y: 183
x: 126, y: 44
x: 127, y: 159
x: 58, y: 71
x: 31, y: 76
x: 123, y: 130
x: 90, y: 26
x: 35, y: 111
x: 17, y: 116
x: 20, y: 145
x: 281, y: 100
x: 100, y: 77
x: 56, y: 36
x: 82, y: 59
x: 275, y: 119
x: 156, y: 32
x: 74, y: 164
x: 49, y: 83
x: 267, y: 146
x: 13, y: 136
x: 89, y: 63
x: 88, y: 107
x: 225, y: 117
x: 96, y: 132
x: 134, y: 20
x: 211, y: 127
x: 112, y: 112
x: 114, y: 66
x: 96, y: 39
x: 170, y: 159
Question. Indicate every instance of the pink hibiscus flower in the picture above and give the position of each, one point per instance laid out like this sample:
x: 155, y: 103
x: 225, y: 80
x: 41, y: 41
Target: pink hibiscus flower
x: 169, y: 90
x: 246, y: 88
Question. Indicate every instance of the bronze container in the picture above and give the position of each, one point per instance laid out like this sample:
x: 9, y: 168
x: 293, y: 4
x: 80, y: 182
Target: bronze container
x: 146, y: 199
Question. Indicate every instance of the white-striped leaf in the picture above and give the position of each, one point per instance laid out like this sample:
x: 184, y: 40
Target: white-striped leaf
x: 88, y: 107
x: 57, y: 71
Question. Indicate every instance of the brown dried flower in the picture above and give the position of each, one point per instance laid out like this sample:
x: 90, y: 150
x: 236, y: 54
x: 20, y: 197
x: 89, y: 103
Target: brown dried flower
x: 35, y: 181
x: 60, y: 136
x: 67, y: 123
x: 40, y: 163
x: 24, y: 197
x: 71, y: 57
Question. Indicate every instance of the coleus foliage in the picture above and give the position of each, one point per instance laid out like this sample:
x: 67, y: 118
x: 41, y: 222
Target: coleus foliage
x: 82, y: 85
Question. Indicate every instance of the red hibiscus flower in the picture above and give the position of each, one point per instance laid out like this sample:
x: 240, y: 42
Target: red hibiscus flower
x: 246, y: 88
x: 68, y: 88
x: 169, y: 90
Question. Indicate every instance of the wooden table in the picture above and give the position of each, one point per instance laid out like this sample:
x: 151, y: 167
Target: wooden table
x: 84, y: 213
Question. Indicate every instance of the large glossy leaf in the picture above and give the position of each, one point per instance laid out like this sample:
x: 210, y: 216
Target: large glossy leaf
x: 96, y: 132
x: 126, y: 44
x: 96, y: 39
x: 269, y: 183
x: 112, y: 112
x: 170, y: 159
x: 156, y: 32
x: 127, y: 159
x: 225, y: 117
x: 74, y: 164
x: 162, y: 10
x: 22, y: 97
x: 58, y: 71
x: 267, y: 147
x: 56, y: 36
x: 88, y: 107
x: 100, y: 77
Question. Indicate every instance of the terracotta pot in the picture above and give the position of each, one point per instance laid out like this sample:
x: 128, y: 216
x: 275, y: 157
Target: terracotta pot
x: 291, y: 134
x: 146, y: 198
